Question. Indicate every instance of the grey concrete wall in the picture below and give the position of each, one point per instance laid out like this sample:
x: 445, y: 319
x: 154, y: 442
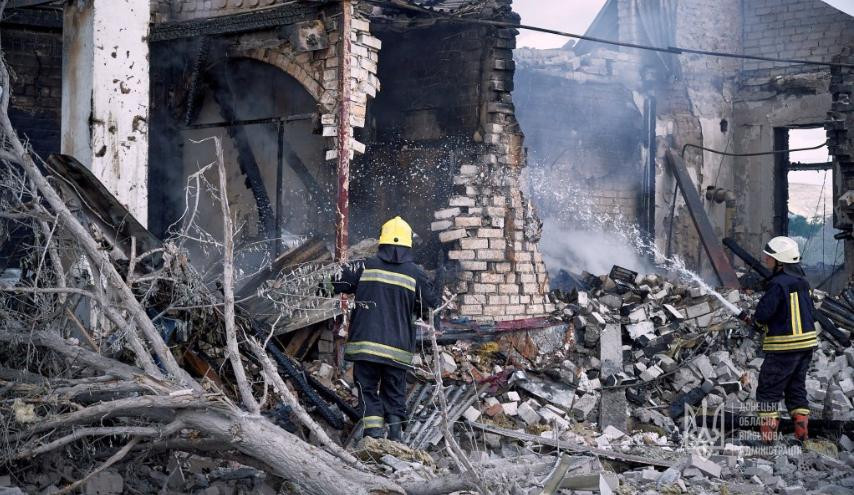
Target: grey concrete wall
x: 799, y: 29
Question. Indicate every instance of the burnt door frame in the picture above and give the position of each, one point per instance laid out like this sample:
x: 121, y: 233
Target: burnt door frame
x: 781, y: 181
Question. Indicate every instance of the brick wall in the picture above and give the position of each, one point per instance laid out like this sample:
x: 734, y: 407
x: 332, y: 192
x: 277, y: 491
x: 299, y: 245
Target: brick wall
x: 583, y: 139
x: 431, y: 80
x: 489, y: 226
x: 802, y: 29
x: 35, y: 60
x: 709, y: 25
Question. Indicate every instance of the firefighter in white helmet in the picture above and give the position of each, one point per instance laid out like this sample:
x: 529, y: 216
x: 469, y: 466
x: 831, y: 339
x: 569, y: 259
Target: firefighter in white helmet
x: 785, y: 312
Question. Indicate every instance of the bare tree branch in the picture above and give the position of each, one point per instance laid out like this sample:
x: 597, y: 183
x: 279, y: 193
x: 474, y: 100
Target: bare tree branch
x: 109, y: 462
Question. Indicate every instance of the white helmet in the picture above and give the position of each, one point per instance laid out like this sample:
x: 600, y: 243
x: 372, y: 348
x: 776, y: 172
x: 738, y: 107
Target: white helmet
x: 783, y: 249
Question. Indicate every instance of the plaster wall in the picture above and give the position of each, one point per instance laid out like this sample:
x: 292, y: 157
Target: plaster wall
x: 105, y: 95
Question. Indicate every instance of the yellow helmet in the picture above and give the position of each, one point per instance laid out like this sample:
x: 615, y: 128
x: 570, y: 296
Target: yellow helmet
x: 396, y: 232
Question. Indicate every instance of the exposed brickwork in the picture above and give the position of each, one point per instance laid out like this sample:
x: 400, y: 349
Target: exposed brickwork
x: 495, y: 236
x: 802, y: 29
x: 317, y: 71
x: 35, y: 59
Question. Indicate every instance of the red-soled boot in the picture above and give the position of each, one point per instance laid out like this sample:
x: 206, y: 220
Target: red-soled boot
x: 801, y: 421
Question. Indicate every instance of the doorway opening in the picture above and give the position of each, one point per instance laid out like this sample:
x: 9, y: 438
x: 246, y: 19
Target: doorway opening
x: 809, y: 208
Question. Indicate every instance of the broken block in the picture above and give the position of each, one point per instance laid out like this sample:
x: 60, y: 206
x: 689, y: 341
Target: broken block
x: 528, y: 414
x: 702, y: 364
x: 493, y: 410
x: 554, y: 418
x: 471, y: 414
x: 638, y: 329
x: 448, y: 363
x: 651, y: 373
x: 705, y: 465
x: 696, y: 310
x: 638, y: 315
x: 584, y: 405
x: 665, y: 362
x: 510, y: 408
x: 674, y: 313
x: 612, y: 433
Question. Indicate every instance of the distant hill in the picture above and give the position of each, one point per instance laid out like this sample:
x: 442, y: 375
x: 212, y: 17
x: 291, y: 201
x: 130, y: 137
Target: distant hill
x: 803, y: 199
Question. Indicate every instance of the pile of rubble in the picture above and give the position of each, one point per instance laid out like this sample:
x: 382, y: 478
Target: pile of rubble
x: 620, y: 378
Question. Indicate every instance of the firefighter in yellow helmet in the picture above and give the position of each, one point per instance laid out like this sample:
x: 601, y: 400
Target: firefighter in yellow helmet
x: 389, y: 289
x: 786, y: 313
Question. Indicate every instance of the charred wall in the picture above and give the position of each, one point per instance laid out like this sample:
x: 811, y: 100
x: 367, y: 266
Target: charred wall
x: 32, y: 45
x: 421, y: 125
x: 582, y: 138
x: 778, y: 96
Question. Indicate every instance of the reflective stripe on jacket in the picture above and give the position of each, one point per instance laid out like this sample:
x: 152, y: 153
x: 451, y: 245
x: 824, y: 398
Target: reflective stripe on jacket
x: 389, y: 289
x: 786, y: 311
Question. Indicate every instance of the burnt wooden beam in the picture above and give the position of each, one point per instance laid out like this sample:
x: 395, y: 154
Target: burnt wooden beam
x: 797, y: 166
x: 224, y: 97
x: 752, y: 262
x: 711, y: 243
x: 243, y: 22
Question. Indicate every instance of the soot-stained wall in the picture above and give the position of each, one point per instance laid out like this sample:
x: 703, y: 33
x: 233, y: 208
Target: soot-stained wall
x: 254, y: 90
x: 581, y: 138
x: 35, y: 56
x: 422, y: 123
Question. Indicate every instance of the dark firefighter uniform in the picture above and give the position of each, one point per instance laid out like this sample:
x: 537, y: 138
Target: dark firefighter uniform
x: 785, y: 312
x: 389, y: 290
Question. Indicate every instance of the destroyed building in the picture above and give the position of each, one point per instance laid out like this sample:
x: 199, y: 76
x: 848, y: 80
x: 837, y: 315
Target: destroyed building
x: 598, y: 118
x: 335, y: 115
x: 431, y: 133
x: 432, y: 122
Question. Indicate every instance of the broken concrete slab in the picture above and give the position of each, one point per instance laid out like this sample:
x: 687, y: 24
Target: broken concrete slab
x: 704, y: 465
x: 528, y: 414
x: 639, y: 329
x: 612, y: 411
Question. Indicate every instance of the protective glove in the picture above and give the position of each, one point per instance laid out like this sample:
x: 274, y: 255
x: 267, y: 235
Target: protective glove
x: 746, y: 318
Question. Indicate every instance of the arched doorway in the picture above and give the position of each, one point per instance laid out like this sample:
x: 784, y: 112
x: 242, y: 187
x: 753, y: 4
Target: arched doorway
x: 279, y: 187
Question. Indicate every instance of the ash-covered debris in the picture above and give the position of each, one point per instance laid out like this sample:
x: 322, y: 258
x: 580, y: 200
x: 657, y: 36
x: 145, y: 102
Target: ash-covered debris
x: 651, y: 389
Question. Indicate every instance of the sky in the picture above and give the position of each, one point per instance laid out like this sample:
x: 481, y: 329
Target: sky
x: 573, y: 16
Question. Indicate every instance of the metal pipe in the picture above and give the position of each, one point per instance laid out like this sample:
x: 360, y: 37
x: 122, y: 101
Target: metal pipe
x: 342, y: 212
x: 268, y: 120
x: 342, y: 209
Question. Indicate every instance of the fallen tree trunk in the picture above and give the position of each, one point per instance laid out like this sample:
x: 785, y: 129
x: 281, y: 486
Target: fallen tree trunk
x: 313, y: 469
x: 165, y: 403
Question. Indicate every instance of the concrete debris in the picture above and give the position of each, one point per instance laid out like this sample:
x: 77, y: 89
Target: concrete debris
x: 652, y: 353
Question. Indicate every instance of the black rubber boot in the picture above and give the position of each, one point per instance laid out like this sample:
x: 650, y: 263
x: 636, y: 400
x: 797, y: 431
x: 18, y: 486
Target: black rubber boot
x: 373, y: 432
x: 395, y: 428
